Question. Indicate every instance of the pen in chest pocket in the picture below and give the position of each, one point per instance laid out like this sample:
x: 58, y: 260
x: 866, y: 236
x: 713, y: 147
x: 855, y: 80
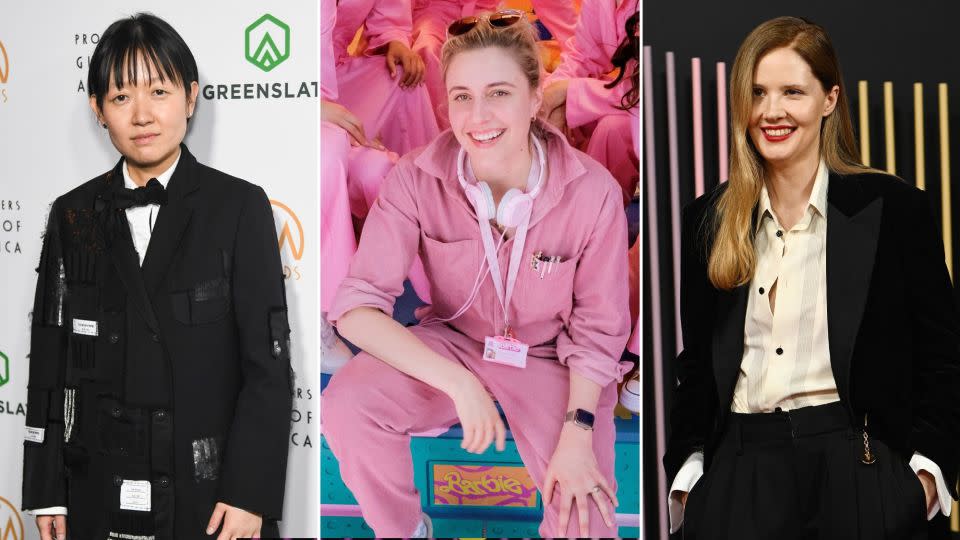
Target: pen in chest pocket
x: 543, y: 264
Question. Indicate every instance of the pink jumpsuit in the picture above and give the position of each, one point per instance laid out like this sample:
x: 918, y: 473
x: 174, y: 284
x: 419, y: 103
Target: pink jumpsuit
x: 574, y: 318
x: 585, y: 63
x: 402, y: 119
x: 350, y: 179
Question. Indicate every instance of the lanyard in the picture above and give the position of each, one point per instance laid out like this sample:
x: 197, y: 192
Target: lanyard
x: 519, y: 239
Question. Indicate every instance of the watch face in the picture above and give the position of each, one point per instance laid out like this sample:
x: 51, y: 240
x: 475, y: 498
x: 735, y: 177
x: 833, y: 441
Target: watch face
x: 584, y: 417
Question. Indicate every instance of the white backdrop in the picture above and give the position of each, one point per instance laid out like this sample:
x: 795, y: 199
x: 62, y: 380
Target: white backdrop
x: 50, y: 142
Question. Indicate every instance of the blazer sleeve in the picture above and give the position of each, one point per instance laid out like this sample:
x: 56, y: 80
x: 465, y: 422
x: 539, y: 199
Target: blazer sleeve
x: 255, y: 461
x: 44, y: 481
x: 695, y: 395
x: 936, y: 418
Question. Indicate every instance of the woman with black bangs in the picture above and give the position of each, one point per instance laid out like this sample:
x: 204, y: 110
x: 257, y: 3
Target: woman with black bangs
x: 159, y: 395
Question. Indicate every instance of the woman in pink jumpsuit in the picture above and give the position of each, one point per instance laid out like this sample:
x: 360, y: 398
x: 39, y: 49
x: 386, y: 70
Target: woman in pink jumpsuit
x: 579, y: 85
x: 572, y: 313
x: 393, y: 108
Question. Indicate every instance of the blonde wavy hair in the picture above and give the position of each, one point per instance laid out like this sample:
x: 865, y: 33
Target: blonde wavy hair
x: 732, y: 259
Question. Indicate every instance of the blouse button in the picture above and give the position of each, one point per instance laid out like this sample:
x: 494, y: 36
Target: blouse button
x: 761, y: 290
x: 779, y: 350
x: 779, y: 234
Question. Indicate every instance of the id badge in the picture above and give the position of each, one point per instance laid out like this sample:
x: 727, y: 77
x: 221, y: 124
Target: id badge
x: 506, y: 351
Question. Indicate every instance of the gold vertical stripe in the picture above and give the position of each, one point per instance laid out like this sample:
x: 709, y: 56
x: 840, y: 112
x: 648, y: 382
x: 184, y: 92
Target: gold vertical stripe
x: 864, y: 124
x: 918, y: 135
x: 955, y: 518
x: 888, y: 127
x: 945, y: 177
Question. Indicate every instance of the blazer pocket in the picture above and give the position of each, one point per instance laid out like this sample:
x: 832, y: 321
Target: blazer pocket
x: 205, y: 302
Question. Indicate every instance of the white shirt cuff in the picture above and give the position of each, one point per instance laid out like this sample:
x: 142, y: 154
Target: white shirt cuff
x: 51, y: 511
x: 944, y: 502
x: 689, y: 474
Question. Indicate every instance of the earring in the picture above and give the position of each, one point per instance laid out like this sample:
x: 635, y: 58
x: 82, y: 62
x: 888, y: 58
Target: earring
x: 104, y: 124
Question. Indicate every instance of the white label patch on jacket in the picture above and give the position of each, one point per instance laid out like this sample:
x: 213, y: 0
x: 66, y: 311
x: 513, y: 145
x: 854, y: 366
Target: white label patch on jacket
x: 85, y: 328
x: 135, y: 495
x: 34, y: 434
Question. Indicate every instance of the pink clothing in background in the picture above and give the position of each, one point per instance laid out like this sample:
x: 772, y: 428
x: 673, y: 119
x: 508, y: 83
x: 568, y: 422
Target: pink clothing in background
x: 350, y: 179
x: 574, y: 318
x: 560, y: 18
x: 402, y: 119
x: 585, y: 63
x: 337, y: 239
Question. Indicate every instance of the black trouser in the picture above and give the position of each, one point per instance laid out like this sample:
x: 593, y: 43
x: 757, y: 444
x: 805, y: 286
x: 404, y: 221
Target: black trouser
x: 799, y: 475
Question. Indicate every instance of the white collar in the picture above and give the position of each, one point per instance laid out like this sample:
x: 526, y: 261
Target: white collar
x: 163, y: 177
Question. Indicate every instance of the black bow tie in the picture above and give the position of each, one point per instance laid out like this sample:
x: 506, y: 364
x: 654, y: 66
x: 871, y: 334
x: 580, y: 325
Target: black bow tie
x: 152, y: 193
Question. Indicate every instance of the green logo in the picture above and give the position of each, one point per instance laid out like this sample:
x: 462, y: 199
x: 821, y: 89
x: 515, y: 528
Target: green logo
x: 4, y: 369
x: 262, y: 39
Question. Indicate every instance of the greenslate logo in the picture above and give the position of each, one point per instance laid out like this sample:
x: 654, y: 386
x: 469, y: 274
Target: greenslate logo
x: 267, y: 42
x: 4, y: 369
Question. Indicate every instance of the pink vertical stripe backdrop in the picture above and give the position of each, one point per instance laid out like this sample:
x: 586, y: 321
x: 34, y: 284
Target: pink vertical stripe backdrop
x: 655, y: 286
x: 722, y: 150
x: 697, y: 127
x: 674, y: 190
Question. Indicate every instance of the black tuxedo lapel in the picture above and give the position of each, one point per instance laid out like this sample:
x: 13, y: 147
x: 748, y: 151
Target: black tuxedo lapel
x: 123, y: 255
x: 172, y: 220
x: 853, y: 226
x: 728, y: 340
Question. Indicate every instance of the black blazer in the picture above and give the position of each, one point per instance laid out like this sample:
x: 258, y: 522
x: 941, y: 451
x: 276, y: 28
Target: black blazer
x: 891, y: 320
x: 176, y: 372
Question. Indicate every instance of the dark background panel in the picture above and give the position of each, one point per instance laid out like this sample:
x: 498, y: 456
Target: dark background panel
x: 901, y: 42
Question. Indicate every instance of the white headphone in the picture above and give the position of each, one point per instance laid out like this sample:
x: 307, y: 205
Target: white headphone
x: 514, y: 205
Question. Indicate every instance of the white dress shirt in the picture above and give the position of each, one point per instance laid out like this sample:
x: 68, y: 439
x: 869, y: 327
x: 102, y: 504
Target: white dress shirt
x: 786, y: 351
x: 141, y: 220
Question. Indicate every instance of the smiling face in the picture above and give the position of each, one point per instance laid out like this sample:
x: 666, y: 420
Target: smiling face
x: 147, y: 120
x: 789, y: 104
x: 490, y: 106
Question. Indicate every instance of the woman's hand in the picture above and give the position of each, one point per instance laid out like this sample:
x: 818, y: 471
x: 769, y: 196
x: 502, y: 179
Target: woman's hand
x: 413, y: 67
x: 341, y: 116
x: 929, y: 484
x: 573, y: 475
x: 478, y: 415
x: 237, y: 523
x: 52, y: 527
x: 558, y: 119
x: 554, y: 95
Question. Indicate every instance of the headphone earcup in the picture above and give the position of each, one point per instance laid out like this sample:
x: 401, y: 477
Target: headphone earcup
x: 513, y: 208
x: 481, y: 198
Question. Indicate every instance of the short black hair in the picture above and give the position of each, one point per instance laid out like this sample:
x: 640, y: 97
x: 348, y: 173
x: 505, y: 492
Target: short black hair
x: 140, y: 36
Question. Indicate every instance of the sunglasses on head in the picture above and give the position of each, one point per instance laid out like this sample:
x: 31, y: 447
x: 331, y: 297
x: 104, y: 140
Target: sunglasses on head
x: 500, y: 19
